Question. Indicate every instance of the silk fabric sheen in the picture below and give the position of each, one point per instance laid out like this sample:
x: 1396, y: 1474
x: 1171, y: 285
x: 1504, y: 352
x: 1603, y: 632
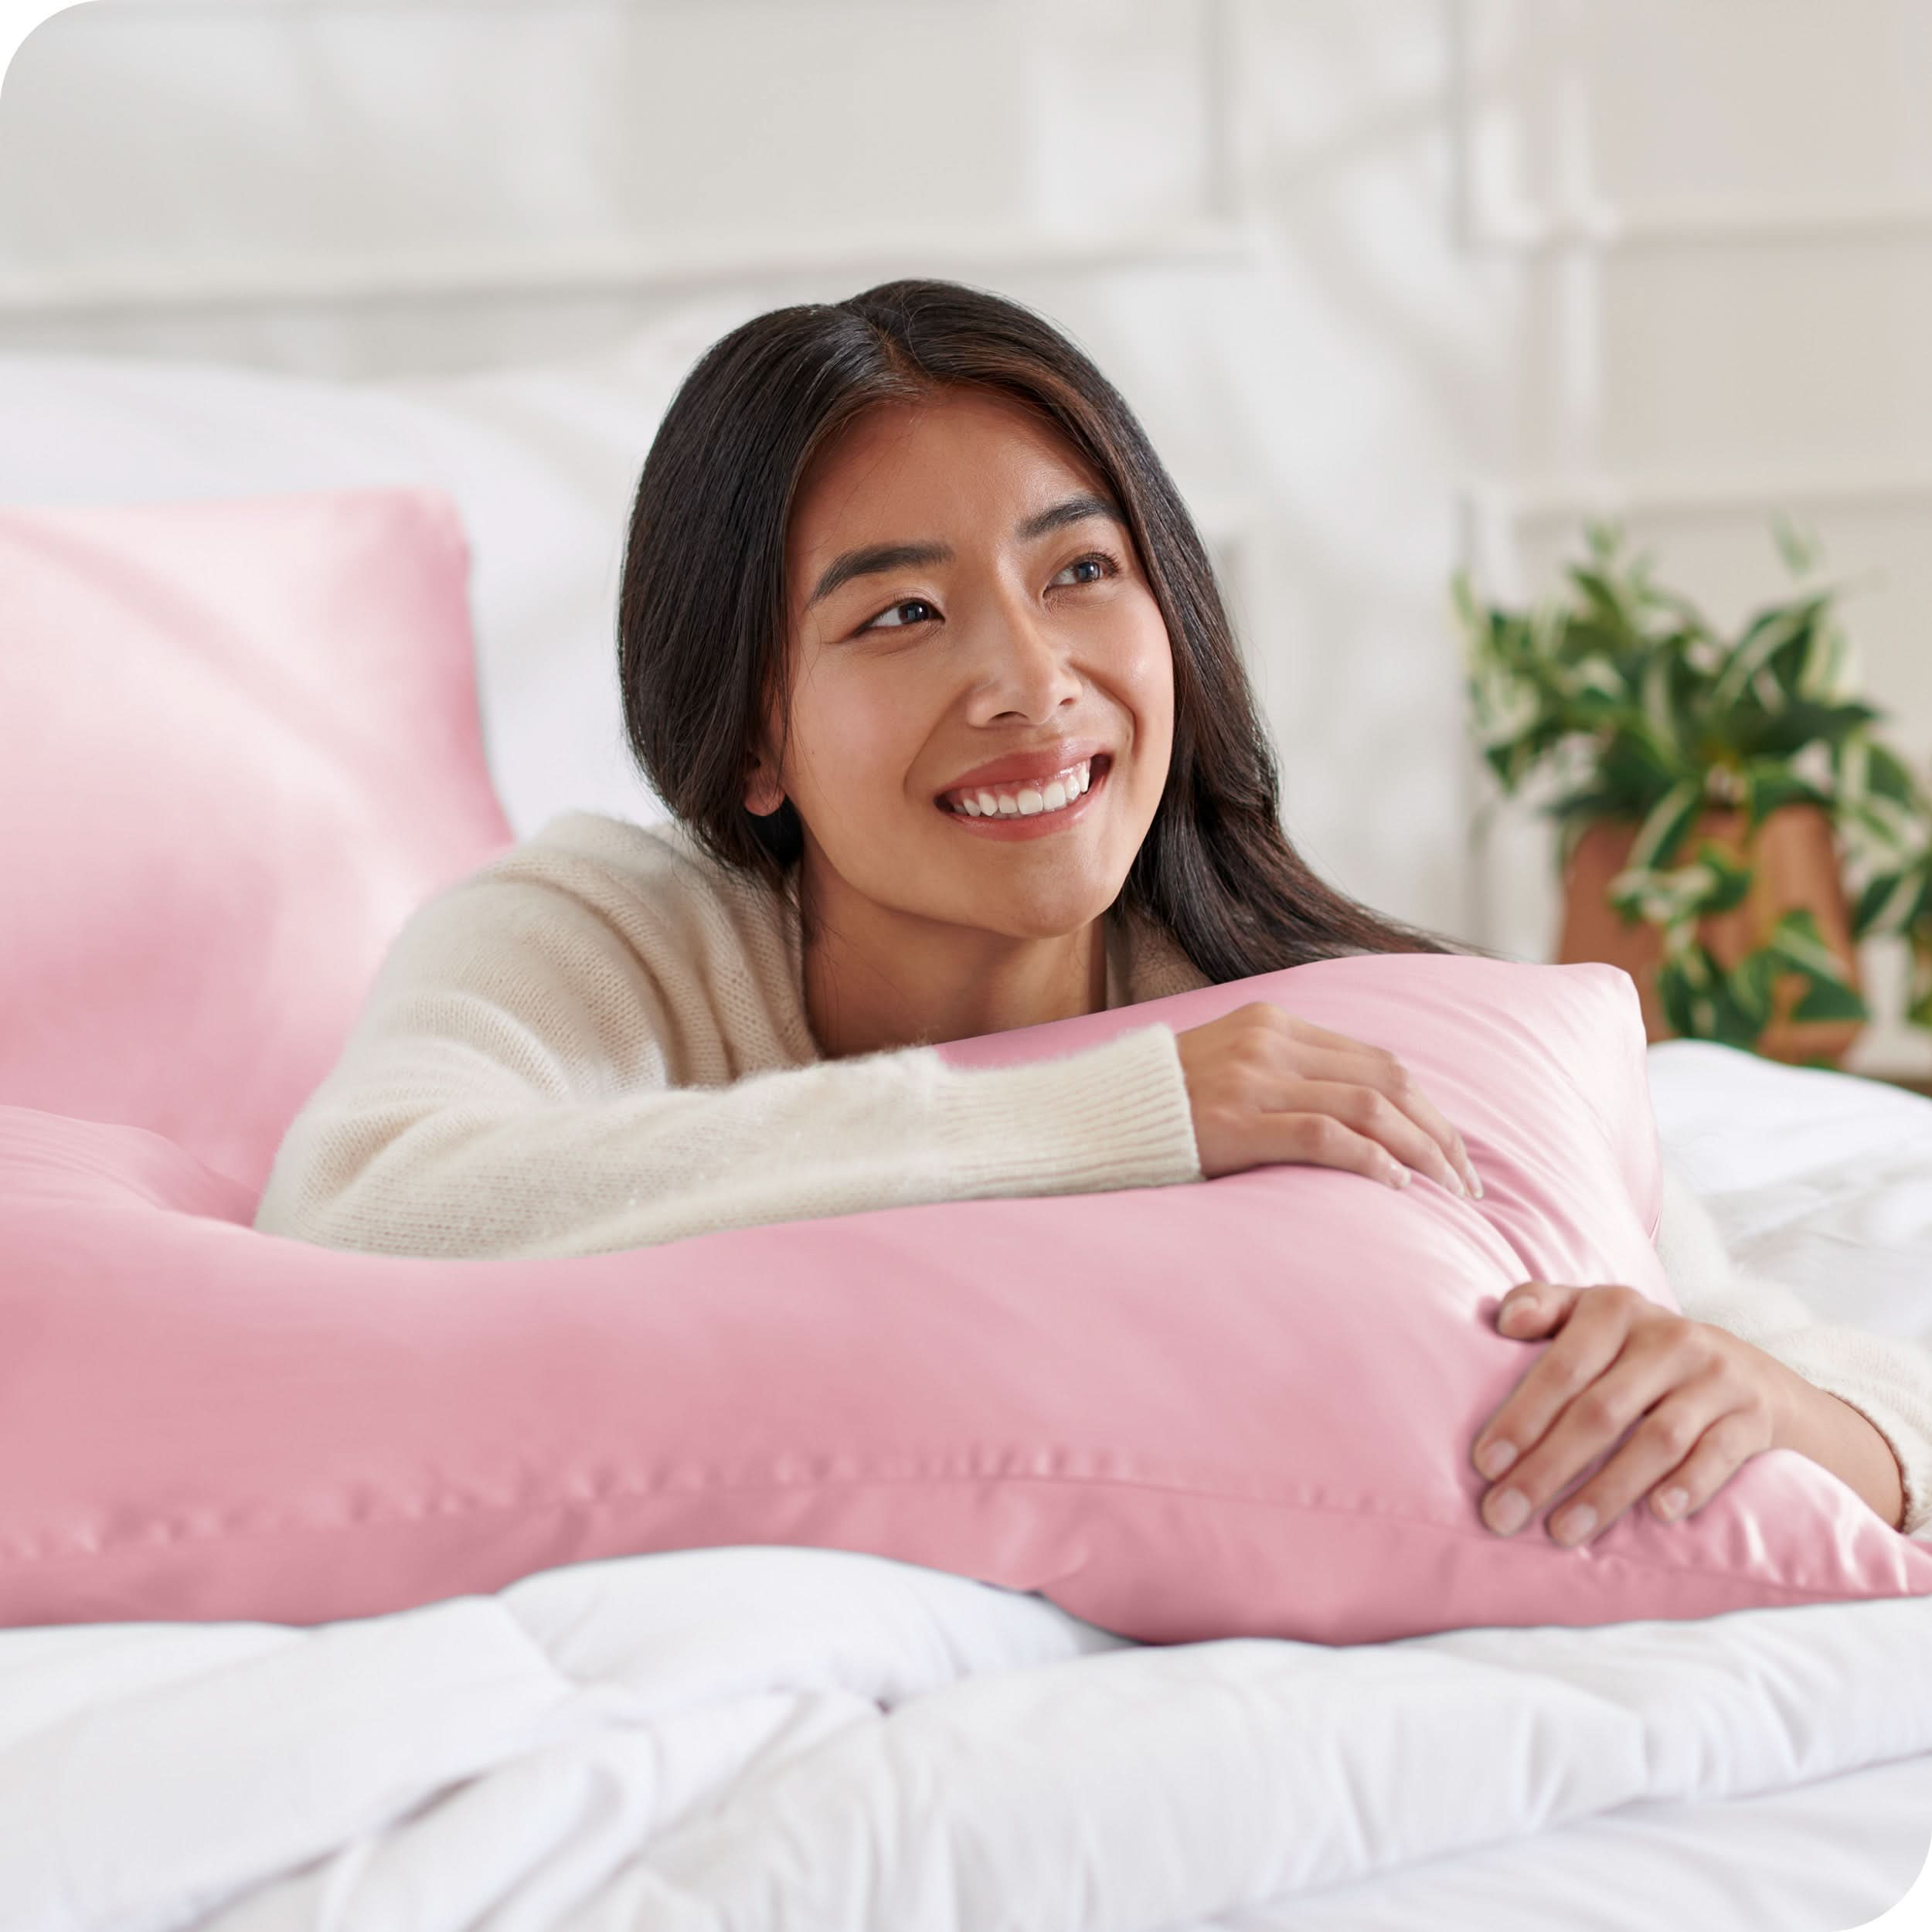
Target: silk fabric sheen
x: 238, y: 744
x: 1238, y: 1406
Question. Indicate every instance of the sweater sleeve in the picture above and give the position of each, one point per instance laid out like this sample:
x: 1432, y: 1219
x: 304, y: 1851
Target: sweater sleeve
x: 1888, y: 1380
x: 504, y: 1093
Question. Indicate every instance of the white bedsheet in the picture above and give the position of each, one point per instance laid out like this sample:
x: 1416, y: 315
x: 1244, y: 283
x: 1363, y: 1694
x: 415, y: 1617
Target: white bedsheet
x: 796, y: 1738
x: 1813, y: 1858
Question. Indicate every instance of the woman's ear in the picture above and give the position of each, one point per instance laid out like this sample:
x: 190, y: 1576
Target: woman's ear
x: 763, y: 794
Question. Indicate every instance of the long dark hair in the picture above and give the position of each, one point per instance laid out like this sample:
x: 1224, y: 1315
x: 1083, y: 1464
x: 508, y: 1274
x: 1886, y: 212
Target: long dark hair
x: 701, y: 624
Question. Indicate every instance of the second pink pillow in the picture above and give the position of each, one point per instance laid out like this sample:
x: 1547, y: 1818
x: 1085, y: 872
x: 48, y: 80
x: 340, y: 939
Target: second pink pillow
x: 238, y: 744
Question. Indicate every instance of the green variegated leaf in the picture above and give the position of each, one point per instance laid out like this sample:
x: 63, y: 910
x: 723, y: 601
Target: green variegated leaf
x: 1796, y: 940
x: 1889, y: 777
x: 1767, y: 634
x: 1582, y: 808
x: 1814, y: 668
x: 1700, y: 970
x: 1587, y: 634
x: 1664, y: 826
x: 1662, y: 746
x: 1691, y: 886
x: 1595, y: 674
x: 1639, y: 895
x: 1674, y: 995
x: 1918, y: 1011
x: 1628, y: 764
x: 1505, y: 706
x: 1889, y: 822
x: 1888, y: 903
x: 1770, y: 783
x: 1659, y: 707
x: 1593, y: 715
x: 1699, y: 1002
x: 1800, y: 550
x: 1605, y: 601
x: 1827, y: 673
x: 1730, y: 878
x: 1831, y: 999
x: 1851, y: 765
x: 1750, y: 982
x: 1731, y: 1026
x: 1851, y: 768
x: 1866, y: 853
x: 1783, y: 731
x: 1548, y: 621
x: 1661, y: 898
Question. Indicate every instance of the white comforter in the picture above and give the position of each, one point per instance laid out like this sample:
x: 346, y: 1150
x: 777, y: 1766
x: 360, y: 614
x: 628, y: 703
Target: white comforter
x: 741, y: 1739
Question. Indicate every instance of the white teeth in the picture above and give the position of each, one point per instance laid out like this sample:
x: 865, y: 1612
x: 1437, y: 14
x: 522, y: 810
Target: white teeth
x: 1028, y: 801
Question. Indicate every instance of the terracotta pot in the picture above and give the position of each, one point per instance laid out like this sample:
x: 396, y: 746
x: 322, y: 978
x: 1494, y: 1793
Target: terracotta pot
x: 1797, y: 865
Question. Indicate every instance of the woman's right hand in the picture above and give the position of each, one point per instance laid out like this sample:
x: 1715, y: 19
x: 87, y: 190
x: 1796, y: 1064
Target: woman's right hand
x: 1264, y: 1086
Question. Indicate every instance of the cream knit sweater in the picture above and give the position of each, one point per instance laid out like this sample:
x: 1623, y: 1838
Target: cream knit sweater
x: 598, y: 1042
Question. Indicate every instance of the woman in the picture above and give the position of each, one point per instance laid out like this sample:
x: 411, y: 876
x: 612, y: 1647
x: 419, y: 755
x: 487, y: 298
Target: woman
x: 919, y: 644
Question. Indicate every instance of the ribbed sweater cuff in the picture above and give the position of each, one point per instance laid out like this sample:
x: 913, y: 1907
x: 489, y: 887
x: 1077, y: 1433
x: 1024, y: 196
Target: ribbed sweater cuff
x: 1108, y: 1117
x: 1835, y: 1367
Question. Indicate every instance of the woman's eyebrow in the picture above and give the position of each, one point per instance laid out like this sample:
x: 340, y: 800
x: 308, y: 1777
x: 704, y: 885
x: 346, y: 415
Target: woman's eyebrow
x: 875, y: 558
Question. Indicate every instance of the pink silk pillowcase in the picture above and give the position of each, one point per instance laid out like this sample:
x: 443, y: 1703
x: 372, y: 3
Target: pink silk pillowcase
x: 238, y: 744
x: 1242, y: 1406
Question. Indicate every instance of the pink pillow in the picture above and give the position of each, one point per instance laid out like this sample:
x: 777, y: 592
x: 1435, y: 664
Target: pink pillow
x: 239, y: 745
x: 1243, y: 1407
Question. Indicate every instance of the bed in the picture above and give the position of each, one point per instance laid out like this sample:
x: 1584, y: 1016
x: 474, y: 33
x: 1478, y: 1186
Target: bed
x: 774, y: 1737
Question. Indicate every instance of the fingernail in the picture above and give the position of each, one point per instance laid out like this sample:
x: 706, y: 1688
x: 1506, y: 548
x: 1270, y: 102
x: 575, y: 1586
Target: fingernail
x: 1475, y: 1183
x: 1400, y: 1177
x: 1573, y: 1525
x: 1671, y: 1501
x: 1495, y: 1458
x: 1509, y: 1510
x: 1455, y: 1181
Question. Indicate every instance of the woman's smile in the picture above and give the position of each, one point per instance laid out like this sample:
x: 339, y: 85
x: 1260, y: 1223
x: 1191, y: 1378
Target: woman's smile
x: 1027, y: 811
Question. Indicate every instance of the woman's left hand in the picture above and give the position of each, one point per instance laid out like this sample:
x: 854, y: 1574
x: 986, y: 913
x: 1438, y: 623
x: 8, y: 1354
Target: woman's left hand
x: 1704, y: 1400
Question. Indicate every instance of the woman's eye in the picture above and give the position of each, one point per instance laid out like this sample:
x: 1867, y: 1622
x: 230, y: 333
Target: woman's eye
x: 904, y: 603
x: 1108, y: 566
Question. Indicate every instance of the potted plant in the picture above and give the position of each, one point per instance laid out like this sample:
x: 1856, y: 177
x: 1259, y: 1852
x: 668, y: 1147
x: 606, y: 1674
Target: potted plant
x: 1730, y: 826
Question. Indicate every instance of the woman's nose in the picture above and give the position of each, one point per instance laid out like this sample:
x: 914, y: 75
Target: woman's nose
x: 1025, y: 665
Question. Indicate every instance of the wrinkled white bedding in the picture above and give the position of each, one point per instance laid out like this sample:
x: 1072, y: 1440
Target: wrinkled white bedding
x: 795, y: 1739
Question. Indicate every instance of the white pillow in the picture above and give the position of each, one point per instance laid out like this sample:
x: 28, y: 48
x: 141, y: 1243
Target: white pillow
x: 543, y: 460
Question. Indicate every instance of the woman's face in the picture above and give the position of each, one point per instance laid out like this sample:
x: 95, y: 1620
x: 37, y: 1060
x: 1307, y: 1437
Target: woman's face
x: 967, y: 618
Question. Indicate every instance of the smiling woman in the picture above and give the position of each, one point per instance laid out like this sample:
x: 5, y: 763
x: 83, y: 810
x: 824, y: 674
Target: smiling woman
x: 918, y: 643
x: 917, y: 640
x: 908, y: 538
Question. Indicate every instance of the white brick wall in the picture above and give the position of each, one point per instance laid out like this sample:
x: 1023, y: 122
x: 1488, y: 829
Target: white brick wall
x: 1392, y: 282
